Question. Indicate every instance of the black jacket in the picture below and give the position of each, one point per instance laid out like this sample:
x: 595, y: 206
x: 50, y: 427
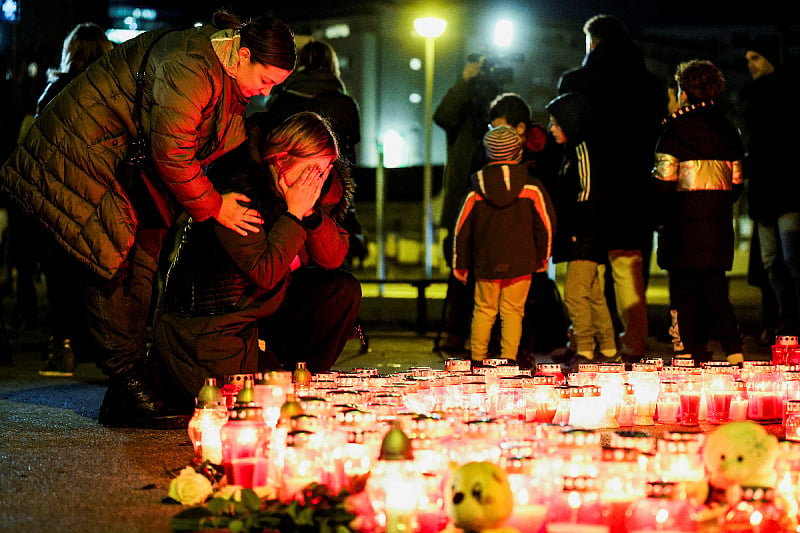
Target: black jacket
x: 578, y: 195
x: 628, y: 104
x: 771, y: 112
x: 698, y: 177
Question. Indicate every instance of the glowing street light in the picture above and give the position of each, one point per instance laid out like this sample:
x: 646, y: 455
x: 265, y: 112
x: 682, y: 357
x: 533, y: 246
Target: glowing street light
x: 430, y: 28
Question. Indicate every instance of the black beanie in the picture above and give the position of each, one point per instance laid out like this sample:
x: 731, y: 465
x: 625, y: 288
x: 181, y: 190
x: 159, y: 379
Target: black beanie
x: 768, y: 47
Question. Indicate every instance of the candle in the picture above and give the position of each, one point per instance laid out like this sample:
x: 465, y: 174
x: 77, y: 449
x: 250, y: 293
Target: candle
x: 527, y: 518
x: 431, y: 519
x: 738, y: 410
x: 569, y: 527
x: 626, y: 414
x: 690, y: 408
x: 248, y: 472
x: 668, y: 412
x: 719, y: 406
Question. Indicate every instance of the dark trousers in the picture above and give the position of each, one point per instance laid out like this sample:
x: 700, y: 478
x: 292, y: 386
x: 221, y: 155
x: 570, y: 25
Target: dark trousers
x: 702, y: 296
x: 119, y: 310
x: 315, y: 320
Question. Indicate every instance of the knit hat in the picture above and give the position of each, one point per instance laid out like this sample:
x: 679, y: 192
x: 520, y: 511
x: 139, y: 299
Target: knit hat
x: 503, y: 143
x: 768, y: 47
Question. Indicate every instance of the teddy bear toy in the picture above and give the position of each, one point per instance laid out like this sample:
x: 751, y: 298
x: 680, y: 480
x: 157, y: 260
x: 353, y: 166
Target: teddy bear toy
x: 736, y: 455
x: 480, y: 499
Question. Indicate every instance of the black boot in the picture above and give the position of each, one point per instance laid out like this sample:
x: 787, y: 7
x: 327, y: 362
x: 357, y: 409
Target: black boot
x: 133, y: 401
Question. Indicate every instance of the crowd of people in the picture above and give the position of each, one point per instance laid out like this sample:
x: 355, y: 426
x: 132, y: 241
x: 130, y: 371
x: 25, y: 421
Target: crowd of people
x: 184, y: 239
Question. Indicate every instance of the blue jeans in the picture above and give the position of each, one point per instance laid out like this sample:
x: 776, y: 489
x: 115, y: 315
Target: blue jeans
x: 780, y: 253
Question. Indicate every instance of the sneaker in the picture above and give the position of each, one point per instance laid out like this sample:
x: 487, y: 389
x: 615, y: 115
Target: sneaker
x: 60, y: 360
x: 736, y: 358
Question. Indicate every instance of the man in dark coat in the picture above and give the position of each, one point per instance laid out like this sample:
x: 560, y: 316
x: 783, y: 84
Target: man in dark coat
x: 628, y: 104
x: 769, y: 104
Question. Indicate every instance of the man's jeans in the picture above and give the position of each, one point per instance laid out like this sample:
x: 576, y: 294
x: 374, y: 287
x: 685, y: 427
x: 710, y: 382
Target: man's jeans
x: 780, y: 253
x: 626, y: 270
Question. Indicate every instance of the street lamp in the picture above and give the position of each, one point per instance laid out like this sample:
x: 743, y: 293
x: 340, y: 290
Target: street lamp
x: 430, y: 28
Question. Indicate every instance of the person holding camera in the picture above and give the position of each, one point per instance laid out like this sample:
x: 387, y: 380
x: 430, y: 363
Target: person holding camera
x: 462, y: 114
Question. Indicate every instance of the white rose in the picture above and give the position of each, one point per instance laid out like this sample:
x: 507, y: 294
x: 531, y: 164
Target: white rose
x: 190, y: 487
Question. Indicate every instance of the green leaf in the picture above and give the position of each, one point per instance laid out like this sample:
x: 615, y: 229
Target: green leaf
x: 305, y: 517
x: 236, y: 526
x: 251, y: 500
x: 343, y: 529
x: 218, y: 505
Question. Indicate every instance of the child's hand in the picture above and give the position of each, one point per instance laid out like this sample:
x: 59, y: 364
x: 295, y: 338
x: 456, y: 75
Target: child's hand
x: 461, y: 274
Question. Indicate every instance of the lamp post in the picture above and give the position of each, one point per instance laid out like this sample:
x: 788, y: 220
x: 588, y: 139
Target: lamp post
x: 430, y: 28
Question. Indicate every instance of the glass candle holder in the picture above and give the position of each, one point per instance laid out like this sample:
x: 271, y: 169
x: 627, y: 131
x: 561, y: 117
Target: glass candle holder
x: 718, y: 390
x: 271, y: 390
x: 738, y: 411
x: 245, y: 447
x: 576, y: 508
x: 646, y: 384
x: 678, y: 459
x: 664, y: 509
x: 611, y: 380
x: 553, y: 370
x: 531, y: 494
x: 780, y: 350
x: 765, y: 402
x: 586, y: 411
x: 627, y: 406
x: 541, y: 400
x: 561, y: 415
x: 690, y: 392
x: 669, y: 403
x: 792, y: 424
x: 758, y: 512
x: 621, y: 483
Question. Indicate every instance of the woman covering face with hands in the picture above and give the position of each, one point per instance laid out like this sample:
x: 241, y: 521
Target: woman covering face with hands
x: 284, y: 285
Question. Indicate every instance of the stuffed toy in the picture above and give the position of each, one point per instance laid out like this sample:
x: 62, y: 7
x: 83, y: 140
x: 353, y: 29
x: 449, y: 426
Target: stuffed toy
x: 739, y: 454
x: 480, y: 499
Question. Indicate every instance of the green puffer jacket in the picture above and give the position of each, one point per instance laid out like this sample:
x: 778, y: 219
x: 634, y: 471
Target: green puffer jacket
x: 63, y: 172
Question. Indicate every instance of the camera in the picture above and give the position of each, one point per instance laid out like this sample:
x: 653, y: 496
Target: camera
x: 494, y: 69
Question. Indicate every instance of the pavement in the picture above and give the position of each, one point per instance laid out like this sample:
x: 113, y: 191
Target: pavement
x: 61, y: 471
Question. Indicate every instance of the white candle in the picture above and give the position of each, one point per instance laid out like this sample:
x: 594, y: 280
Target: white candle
x: 527, y: 518
x: 569, y: 527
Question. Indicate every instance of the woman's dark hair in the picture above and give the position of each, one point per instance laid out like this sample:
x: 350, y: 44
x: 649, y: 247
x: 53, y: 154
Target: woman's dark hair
x: 318, y: 56
x: 84, y: 44
x: 512, y: 107
x: 269, y: 40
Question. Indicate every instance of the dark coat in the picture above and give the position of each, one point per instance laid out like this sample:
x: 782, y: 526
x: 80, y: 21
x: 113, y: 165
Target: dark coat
x: 578, y: 195
x: 628, y: 104
x: 771, y: 111
x: 64, y: 173
x: 463, y: 115
x: 221, y: 283
x: 322, y: 93
x: 504, y: 229
x: 698, y: 177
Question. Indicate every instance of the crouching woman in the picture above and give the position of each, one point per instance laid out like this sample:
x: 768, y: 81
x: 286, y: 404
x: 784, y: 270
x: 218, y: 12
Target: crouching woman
x: 224, y: 290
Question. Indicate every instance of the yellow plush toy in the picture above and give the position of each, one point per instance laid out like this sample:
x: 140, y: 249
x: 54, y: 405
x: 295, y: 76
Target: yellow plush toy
x: 480, y: 499
x: 740, y: 454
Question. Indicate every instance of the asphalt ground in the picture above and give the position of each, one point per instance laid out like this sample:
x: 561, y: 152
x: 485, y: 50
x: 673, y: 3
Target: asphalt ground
x: 62, y: 471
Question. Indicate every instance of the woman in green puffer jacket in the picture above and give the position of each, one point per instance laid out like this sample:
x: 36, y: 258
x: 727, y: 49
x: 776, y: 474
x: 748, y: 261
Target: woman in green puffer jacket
x: 64, y: 173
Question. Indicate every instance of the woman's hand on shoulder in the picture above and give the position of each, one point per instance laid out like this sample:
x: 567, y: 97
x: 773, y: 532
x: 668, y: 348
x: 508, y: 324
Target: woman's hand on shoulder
x: 238, y: 217
x: 303, y: 194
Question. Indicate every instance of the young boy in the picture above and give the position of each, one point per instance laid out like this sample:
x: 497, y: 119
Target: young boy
x: 579, y: 239
x: 698, y: 177
x: 503, y: 233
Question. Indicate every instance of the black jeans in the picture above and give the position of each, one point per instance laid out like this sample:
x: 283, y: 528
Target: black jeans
x: 702, y: 296
x: 119, y: 310
x: 315, y: 320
